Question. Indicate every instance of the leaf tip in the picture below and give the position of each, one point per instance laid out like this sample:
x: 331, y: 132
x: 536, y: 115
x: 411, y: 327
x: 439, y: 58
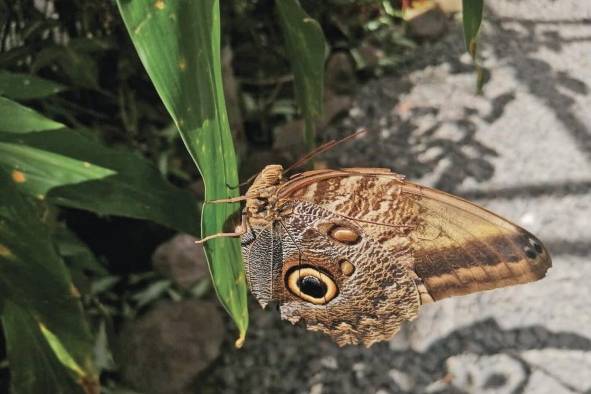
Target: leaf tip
x: 240, y: 341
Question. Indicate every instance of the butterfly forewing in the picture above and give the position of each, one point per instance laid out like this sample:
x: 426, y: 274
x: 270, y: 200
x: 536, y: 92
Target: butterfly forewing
x: 461, y: 248
x: 456, y: 247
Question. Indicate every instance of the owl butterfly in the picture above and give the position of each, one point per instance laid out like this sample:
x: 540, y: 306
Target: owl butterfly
x: 355, y: 252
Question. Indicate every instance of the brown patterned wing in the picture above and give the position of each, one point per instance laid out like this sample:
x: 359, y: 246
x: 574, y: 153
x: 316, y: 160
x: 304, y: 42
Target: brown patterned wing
x: 337, y: 281
x: 456, y: 247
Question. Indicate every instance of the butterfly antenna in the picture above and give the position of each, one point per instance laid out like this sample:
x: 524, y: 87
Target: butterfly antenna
x: 323, y: 148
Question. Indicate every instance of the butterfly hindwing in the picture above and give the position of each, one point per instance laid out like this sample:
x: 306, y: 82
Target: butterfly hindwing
x: 374, y: 293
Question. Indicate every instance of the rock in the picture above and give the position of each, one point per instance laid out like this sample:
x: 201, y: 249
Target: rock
x: 164, y: 351
x: 402, y: 380
x: 181, y: 260
x: 429, y: 24
x: 340, y: 75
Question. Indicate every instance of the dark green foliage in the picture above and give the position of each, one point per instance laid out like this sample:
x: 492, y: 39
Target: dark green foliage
x: 36, y: 288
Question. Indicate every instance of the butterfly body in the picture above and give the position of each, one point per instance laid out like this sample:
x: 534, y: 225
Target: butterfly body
x: 355, y: 252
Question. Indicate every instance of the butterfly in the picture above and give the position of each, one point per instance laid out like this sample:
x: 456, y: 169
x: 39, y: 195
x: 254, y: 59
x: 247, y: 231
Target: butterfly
x: 355, y: 252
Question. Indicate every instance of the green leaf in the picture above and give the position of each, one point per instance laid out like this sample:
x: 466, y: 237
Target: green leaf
x: 34, y: 368
x: 63, y: 355
x: 34, y: 278
x: 26, y: 87
x: 306, y: 48
x: 472, y: 19
x: 69, y: 169
x: 16, y: 118
x: 179, y: 44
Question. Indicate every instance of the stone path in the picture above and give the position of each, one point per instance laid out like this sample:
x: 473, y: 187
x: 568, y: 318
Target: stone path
x: 523, y: 150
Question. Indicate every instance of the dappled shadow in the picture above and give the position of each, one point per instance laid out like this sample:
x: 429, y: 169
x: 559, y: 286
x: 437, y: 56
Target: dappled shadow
x: 291, y: 360
x: 486, y: 338
x: 551, y: 86
x: 580, y: 248
x: 555, y: 189
x: 417, y: 140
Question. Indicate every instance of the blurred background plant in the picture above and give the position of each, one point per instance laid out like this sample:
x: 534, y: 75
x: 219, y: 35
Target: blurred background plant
x: 95, y: 175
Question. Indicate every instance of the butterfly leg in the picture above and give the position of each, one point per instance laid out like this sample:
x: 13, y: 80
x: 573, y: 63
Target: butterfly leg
x: 238, y: 232
x: 227, y: 200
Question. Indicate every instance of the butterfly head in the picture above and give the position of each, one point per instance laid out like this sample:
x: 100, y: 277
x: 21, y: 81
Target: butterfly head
x: 266, y: 181
x: 262, y: 195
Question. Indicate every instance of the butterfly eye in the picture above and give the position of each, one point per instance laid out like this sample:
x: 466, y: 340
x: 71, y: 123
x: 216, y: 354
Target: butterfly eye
x: 311, y: 285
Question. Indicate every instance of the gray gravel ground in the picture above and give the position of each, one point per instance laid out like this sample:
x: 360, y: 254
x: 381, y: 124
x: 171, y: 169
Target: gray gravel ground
x: 524, y: 150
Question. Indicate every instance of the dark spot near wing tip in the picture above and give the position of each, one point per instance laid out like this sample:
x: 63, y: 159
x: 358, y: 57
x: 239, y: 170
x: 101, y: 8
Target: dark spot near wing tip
x: 530, y: 253
x: 535, y: 251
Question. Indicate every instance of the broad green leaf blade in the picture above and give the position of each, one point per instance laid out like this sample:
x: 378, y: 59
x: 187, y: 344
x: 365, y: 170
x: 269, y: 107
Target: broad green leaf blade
x: 18, y: 86
x: 34, y: 278
x: 34, y: 368
x: 472, y: 19
x: 39, y: 170
x: 16, y: 118
x: 306, y: 48
x: 179, y: 45
x: 69, y: 169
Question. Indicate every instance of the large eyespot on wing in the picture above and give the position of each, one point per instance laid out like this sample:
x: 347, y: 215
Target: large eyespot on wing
x: 311, y: 284
x: 461, y: 248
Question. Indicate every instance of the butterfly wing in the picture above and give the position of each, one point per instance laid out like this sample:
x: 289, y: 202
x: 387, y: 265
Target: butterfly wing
x: 455, y: 246
x: 461, y: 248
x: 336, y: 280
x: 262, y: 253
